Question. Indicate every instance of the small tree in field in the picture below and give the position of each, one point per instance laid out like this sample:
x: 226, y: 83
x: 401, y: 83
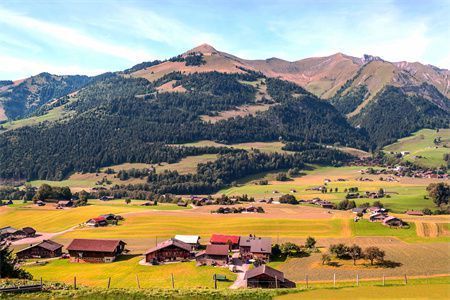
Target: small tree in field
x: 355, y: 253
x: 326, y: 258
x: 374, y: 253
x: 8, y: 264
x: 127, y: 201
x: 310, y: 242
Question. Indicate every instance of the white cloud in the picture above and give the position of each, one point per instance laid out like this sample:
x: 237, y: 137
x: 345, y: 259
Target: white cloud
x: 70, y: 36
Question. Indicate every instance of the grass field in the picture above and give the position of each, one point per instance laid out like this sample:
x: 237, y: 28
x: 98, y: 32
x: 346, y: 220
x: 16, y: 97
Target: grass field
x: 186, y: 275
x: 421, y: 144
x: 404, y: 195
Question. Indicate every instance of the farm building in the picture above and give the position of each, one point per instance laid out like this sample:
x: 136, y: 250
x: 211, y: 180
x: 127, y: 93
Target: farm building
x: 170, y: 250
x: 65, y: 203
x: 96, y: 222
x: 392, y: 222
x: 9, y: 232
x: 252, y: 247
x: 44, y: 249
x: 414, y: 213
x: 89, y: 250
x: 266, y: 277
x: 193, y: 240
x: 214, y: 255
x: 358, y: 210
x: 29, y: 231
x: 377, y: 217
x: 220, y: 239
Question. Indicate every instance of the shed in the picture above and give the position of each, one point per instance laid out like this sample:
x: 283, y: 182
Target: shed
x: 393, y: 221
x: 267, y: 277
x: 44, y: 249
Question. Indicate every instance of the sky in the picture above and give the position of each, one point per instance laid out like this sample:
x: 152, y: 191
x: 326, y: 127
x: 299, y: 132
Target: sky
x: 92, y: 37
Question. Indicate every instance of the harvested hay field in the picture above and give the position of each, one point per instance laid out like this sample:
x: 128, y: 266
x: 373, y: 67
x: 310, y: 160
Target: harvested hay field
x: 240, y: 111
x: 427, y: 229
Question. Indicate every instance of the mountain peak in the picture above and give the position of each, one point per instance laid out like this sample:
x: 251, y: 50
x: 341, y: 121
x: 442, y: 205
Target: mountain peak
x: 205, y: 49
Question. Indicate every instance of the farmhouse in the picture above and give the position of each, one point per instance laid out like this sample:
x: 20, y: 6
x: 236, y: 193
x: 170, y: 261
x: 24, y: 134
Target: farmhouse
x: 266, y: 277
x: 45, y: 249
x: 65, y: 203
x: 192, y: 240
x: 89, y: 250
x: 214, y: 255
x: 29, y: 231
x: 393, y: 221
x: 170, y: 250
x: 96, y: 222
x: 11, y: 233
x: 252, y: 247
x: 414, y: 213
x: 377, y: 217
x: 231, y: 240
x: 358, y: 210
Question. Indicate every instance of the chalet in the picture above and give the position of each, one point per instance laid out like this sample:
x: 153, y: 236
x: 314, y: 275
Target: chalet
x: 111, y: 217
x: 11, y: 233
x: 358, y: 210
x: 252, y: 247
x: 231, y: 240
x: 326, y: 204
x: 44, y: 249
x: 96, y: 222
x: 29, y: 231
x: 192, y: 240
x: 96, y: 251
x: 266, y: 277
x: 170, y: 250
x: 65, y: 203
x: 214, y: 255
x: 377, y: 217
x: 392, y: 222
x: 414, y: 213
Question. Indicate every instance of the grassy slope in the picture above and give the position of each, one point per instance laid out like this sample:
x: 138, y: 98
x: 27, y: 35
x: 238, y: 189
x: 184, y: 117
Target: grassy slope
x: 421, y: 144
x: 186, y: 275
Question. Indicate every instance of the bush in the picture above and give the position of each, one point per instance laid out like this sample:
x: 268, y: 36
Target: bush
x: 282, y: 177
x: 290, y: 199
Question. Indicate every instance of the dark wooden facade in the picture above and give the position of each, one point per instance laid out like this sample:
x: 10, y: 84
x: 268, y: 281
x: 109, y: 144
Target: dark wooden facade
x: 45, y: 249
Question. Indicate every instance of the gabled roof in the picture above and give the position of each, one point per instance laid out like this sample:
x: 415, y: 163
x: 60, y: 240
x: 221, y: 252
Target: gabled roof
x: 29, y: 230
x: 224, y: 239
x: 256, y: 244
x: 94, y: 245
x: 189, y: 239
x: 264, y: 269
x: 217, y: 250
x: 387, y: 219
x: 46, y: 244
x: 171, y: 242
x: 98, y: 219
x: 8, y: 230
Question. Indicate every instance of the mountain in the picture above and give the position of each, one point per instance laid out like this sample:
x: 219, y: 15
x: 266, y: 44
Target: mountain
x: 23, y: 97
x: 204, y: 94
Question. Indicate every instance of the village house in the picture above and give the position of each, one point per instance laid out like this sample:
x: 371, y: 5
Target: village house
x: 214, y: 255
x: 65, y: 203
x: 29, y: 231
x: 170, y: 250
x: 252, y: 247
x: 392, y: 222
x: 266, y: 277
x: 231, y: 240
x: 358, y: 210
x: 96, y: 222
x: 414, y: 213
x: 11, y: 233
x: 95, y: 251
x: 192, y: 240
x: 106, y: 198
x: 44, y: 249
x: 377, y: 217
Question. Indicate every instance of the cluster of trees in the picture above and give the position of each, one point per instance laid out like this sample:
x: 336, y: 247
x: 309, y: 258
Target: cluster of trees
x: 439, y: 192
x: 14, y: 193
x: 301, y: 146
x: 194, y: 59
x: 236, y: 210
x: 9, y: 264
x: 134, y: 173
x: 354, y: 252
x: 289, y: 199
x: 46, y: 192
x: 289, y: 249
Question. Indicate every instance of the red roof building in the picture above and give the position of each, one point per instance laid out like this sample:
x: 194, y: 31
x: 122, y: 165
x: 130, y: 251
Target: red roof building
x: 220, y: 239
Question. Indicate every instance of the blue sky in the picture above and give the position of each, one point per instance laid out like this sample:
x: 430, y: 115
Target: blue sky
x: 91, y: 37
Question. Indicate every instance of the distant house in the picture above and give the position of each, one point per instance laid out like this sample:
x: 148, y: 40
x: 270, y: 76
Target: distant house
x: 170, y: 250
x: 96, y: 222
x: 377, y: 217
x: 11, y: 233
x: 29, y: 231
x: 220, y: 239
x: 358, y: 210
x: 182, y: 204
x: 44, y: 249
x: 193, y: 240
x: 96, y: 251
x: 251, y: 247
x: 392, y: 222
x: 266, y: 277
x: 106, y: 198
x: 214, y: 255
x: 65, y: 203
x: 111, y: 217
x: 414, y: 213
x: 40, y: 203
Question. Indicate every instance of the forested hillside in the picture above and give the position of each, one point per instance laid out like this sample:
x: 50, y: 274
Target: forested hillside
x: 122, y: 119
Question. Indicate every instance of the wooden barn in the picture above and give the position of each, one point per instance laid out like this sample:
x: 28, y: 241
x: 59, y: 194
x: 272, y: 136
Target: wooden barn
x: 266, y: 277
x: 90, y: 250
x: 214, y: 255
x: 29, y: 231
x: 170, y: 250
x: 393, y: 222
x: 252, y: 247
x: 44, y: 249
